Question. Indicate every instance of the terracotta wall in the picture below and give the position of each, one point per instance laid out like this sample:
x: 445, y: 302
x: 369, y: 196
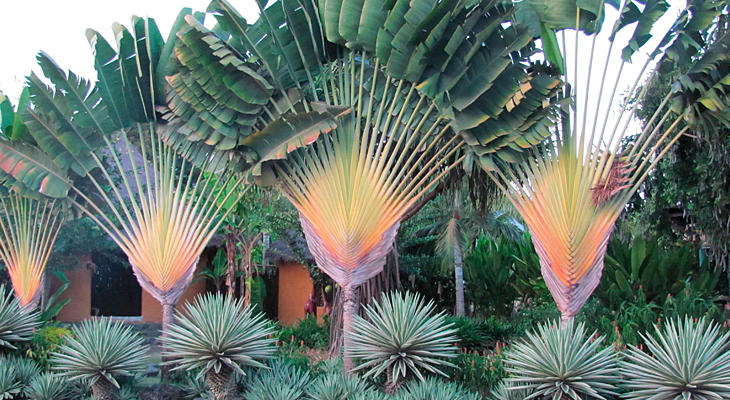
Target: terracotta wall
x: 295, y: 286
x: 152, y: 309
x: 79, y: 292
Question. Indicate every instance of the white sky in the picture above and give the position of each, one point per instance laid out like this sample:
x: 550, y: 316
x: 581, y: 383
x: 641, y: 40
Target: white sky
x: 58, y: 27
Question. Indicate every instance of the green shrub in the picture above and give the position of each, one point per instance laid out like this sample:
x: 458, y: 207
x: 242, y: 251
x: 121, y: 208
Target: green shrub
x: 479, y: 373
x: 44, y: 342
x: 476, y: 334
x: 307, y: 330
x: 435, y: 389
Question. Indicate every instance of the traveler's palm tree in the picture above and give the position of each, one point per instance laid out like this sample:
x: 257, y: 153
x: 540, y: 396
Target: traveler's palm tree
x: 392, y: 82
x: 571, y: 191
x: 29, y: 221
x: 100, y: 148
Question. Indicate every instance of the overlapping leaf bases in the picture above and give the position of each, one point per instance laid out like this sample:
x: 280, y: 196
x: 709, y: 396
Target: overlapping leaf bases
x: 468, y: 57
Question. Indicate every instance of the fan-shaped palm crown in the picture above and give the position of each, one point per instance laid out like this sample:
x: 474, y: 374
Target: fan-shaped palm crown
x: 403, y: 337
x: 563, y: 362
x: 393, y: 81
x: 17, y: 322
x: 573, y: 190
x: 686, y: 360
x: 99, y: 351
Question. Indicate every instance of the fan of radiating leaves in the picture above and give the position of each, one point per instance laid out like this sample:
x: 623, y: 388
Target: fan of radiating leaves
x: 28, y: 229
x: 573, y: 189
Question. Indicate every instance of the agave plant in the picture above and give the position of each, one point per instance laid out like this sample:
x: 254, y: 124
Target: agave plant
x: 435, y: 389
x: 281, y: 382
x: 507, y: 391
x: 9, y: 384
x: 17, y: 322
x: 338, y: 386
x: 574, y: 188
x: 100, y: 351
x: 686, y: 360
x: 393, y: 83
x: 402, y: 338
x: 218, y: 336
x: 562, y: 362
x: 25, y: 369
x: 47, y: 386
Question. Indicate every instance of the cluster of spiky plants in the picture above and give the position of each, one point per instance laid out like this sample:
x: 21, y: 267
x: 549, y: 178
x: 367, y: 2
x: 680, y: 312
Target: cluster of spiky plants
x: 218, y: 336
x: 25, y: 369
x: 280, y: 382
x: 507, y: 391
x: 434, y: 389
x: 47, y: 386
x: 685, y: 360
x: 339, y: 386
x: 100, y: 351
x: 562, y: 362
x: 402, y: 338
x: 9, y: 384
x: 17, y: 322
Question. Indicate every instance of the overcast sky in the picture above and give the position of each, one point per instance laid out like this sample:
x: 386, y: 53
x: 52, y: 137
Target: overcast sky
x: 58, y: 27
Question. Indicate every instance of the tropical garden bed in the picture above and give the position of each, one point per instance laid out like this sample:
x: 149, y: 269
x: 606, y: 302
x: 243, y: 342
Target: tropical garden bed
x: 479, y: 187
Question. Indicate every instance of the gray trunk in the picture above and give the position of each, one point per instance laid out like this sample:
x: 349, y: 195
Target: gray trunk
x: 103, y: 389
x: 459, y: 278
x: 349, y: 310
x: 168, y: 318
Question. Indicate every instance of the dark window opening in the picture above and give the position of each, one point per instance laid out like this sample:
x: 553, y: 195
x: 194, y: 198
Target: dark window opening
x: 115, y: 291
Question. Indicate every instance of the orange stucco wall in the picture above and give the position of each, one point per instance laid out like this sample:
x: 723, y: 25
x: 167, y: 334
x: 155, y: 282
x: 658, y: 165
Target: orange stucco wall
x: 152, y: 309
x: 79, y: 291
x: 295, y: 286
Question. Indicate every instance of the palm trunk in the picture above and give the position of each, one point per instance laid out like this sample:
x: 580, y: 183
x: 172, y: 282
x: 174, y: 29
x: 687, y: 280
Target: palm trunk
x: 220, y: 383
x: 349, y: 310
x: 231, y: 254
x: 168, y: 318
x: 459, y: 278
x: 102, y: 389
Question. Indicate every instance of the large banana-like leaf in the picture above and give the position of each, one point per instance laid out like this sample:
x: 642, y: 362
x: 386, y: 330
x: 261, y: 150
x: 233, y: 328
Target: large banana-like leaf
x: 33, y: 168
x: 573, y: 190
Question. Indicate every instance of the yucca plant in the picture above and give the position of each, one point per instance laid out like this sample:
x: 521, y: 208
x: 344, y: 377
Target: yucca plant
x: 100, y: 351
x: 17, y: 322
x: 10, y: 386
x: 218, y: 337
x: 572, y: 190
x: 686, y: 359
x: 393, y: 102
x: 47, y: 386
x: 435, y: 389
x: 560, y: 361
x: 402, y: 337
